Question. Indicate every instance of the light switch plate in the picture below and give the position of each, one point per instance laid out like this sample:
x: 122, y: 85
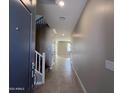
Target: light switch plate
x: 109, y: 65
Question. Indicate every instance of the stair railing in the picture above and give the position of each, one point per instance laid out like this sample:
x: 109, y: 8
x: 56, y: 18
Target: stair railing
x: 38, y: 64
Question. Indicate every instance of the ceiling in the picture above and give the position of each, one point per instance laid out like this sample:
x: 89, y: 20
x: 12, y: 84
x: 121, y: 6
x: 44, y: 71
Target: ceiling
x: 63, y: 19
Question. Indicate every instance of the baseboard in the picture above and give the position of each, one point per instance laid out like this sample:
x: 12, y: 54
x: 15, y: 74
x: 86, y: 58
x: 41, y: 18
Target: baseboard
x: 81, y: 84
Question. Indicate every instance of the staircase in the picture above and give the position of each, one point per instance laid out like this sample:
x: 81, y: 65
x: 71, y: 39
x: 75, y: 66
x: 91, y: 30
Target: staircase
x: 39, y: 76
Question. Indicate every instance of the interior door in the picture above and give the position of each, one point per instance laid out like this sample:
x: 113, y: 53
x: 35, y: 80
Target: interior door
x: 19, y: 47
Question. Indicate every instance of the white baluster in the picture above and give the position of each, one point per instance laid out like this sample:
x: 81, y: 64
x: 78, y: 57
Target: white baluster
x: 43, y: 67
x: 39, y: 63
x: 36, y: 61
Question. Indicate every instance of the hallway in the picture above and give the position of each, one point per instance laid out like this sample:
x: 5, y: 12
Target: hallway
x: 61, y: 79
x: 80, y: 29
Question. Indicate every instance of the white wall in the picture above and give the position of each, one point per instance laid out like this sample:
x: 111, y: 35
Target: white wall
x: 93, y: 44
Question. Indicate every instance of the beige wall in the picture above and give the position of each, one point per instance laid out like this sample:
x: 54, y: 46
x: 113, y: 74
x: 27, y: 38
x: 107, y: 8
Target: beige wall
x: 62, y: 49
x: 93, y: 44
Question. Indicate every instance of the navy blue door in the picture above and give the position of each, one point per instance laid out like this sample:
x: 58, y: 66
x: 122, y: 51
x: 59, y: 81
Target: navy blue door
x: 19, y: 47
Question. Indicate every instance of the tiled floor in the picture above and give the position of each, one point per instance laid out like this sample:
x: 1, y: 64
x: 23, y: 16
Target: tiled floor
x: 61, y: 79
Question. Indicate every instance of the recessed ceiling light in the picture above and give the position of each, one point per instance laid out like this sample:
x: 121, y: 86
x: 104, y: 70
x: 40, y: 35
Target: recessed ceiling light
x: 54, y: 30
x: 61, y: 3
